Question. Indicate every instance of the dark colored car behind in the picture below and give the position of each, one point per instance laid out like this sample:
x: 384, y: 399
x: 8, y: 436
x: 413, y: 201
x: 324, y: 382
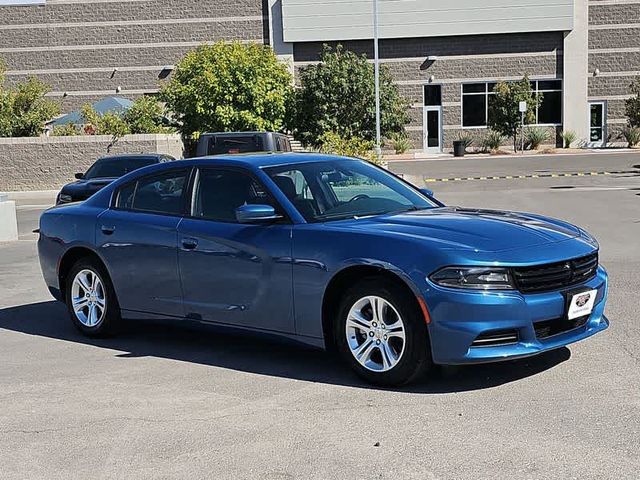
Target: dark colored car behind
x: 241, y: 142
x: 104, y: 171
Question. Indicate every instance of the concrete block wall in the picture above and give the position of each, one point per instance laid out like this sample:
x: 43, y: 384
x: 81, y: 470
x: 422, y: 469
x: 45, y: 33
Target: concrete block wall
x: 46, y: 163
x: 459, y: 59
x: 614, y: 50
x: 75, y: 46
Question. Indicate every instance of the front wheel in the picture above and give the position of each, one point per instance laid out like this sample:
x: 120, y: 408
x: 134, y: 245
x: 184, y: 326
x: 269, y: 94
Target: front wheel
x: 91, y: 300
x: 381, y: 334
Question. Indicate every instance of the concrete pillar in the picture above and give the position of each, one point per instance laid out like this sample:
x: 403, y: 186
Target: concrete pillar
x: 284, y: 51
x: 576, y: 64
x: 8, y: 220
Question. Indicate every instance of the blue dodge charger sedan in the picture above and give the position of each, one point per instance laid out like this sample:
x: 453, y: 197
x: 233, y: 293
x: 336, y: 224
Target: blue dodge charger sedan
x: 330, y: 251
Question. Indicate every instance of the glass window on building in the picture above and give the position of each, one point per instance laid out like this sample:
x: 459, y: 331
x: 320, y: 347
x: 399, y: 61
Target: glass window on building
x: 476, y: 99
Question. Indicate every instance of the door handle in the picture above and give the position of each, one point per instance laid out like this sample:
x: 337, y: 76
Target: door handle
x: 189, y: 243
x: 107, y: 230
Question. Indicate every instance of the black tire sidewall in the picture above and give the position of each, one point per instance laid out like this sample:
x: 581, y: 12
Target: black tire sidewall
x: 416, y: 359
x: 111, y: 316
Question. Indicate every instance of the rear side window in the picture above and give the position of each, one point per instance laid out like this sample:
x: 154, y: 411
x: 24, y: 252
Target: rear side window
x: 162, y: 193
x: 237, y: 144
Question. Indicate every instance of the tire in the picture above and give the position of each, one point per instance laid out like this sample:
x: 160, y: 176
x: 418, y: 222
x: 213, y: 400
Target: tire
x: 395, y: 357
x: 89, y: 286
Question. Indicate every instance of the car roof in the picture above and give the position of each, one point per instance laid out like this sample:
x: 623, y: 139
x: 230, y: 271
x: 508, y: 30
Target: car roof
x: 266, y: 159
x: 130, y: 156
x: 239, y: 134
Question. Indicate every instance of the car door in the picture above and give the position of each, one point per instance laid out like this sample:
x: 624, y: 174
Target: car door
x: 138, y: 239
x: 232, y: 273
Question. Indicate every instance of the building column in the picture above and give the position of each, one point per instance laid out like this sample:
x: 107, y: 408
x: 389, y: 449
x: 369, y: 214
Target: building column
x: 576, y: 63
x: 284, y: 51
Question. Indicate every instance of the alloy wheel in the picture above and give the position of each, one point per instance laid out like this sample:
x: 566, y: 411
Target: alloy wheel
x: 88, y: 298
x: 375, y: 334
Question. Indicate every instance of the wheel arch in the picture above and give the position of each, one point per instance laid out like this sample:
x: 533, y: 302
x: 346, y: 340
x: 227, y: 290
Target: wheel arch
x: 68, y: 260
x: 348, y: 276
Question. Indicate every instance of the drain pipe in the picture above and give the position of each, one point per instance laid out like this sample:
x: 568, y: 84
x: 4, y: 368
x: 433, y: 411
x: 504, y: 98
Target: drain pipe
x: 8, y: 219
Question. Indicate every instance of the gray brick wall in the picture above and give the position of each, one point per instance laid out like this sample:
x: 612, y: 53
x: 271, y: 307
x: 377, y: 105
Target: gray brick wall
x: 48, y: 163
x: 123, y: 34
x: 108, y: 34
x: 624, y: 61
x: 614, y: 38
x: 621, y: 55
x: 127, y: 10
x: 96, y: 57
x: 606, y: 86
x: 614, y: 14
x: 461, y: 45
x: 79, y: 81
x: 75, y: 102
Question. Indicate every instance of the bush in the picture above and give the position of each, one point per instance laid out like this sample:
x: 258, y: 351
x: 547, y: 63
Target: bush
x: 66, y: 130
x: 24, y: 109
x: 400, y: 142
x: 331, y: 142
x: 632, y: 105
x: 568, y: 137
x: 229, y: 87
x: 536, y: 136
x: 631, y: 136
x: 492, y: 141
x: 466, y: 139
x: 146, y: 115
x: 338, y: 95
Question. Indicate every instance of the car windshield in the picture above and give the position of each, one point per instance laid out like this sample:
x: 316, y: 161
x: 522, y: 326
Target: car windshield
x: 116, y: 167
x: 342, y: 189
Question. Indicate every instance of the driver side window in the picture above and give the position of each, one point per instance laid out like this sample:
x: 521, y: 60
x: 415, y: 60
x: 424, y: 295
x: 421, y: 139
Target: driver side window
x: 219, y: 192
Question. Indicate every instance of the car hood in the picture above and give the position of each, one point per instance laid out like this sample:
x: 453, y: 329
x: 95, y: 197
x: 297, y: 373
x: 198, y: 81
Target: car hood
x: 458, y: 228
x: 92, y: 185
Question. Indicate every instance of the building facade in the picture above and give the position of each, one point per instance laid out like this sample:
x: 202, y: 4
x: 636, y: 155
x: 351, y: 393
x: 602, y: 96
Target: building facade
x: 581, y: 55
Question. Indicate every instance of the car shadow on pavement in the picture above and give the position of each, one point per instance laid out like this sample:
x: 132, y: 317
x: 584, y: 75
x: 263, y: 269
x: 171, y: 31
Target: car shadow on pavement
x: 208, y: 345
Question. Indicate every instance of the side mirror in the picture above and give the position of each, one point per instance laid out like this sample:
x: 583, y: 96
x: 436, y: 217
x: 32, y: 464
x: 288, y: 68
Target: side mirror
x: 427, y: 192
x: 79, y: 176
x: 256, y: 214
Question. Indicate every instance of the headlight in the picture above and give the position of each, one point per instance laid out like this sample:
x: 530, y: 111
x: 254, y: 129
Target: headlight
x: 476, y: 278
x: 64, y: 198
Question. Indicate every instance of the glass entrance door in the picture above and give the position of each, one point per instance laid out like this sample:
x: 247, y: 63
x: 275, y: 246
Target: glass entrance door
x: 597, y: 124
x: 433, y: 129
x: 432, y: 119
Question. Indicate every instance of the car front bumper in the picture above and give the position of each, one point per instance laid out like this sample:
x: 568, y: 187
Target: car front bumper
x: 458, y: 318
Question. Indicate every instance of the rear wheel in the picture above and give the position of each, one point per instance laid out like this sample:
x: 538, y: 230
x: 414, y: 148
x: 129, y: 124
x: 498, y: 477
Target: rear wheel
x: 381, y: 334
x: 91, y: 299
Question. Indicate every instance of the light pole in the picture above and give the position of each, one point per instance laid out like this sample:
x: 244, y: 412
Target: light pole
x: 376, y: 69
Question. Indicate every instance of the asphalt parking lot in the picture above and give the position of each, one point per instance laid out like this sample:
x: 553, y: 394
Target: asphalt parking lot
x: 180, y: 401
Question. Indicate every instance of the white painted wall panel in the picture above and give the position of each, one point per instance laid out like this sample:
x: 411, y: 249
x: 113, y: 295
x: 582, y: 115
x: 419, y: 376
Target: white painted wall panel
x: 326, y: 20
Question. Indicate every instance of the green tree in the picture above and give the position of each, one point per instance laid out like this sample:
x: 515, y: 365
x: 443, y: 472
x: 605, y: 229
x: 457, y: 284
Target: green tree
x: 227, y: 87
x: 632, y: 104
x: 146, y: 115
x: 504, y: 113
x: 24, y: 109
x: 338, y: 95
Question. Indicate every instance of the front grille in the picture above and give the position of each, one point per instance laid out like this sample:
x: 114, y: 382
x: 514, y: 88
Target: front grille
x: 549, y: 328
x: 496, y: 338
x: 553, y: 276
